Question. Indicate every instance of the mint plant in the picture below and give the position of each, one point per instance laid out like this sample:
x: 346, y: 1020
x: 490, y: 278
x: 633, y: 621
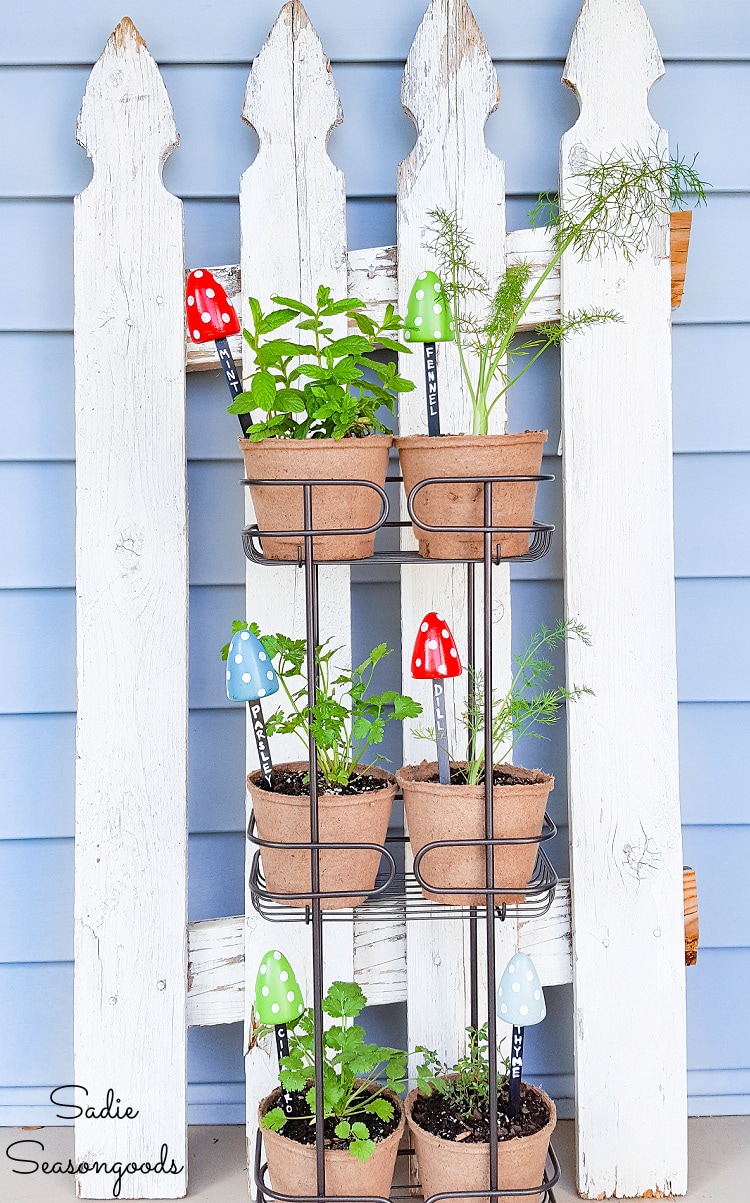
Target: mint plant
x: 346, y: 720
x: 353, y: 1090
x: 527, y: 704
x: 614, y: 203
x: 465, y: 1086
x: 318, y: 388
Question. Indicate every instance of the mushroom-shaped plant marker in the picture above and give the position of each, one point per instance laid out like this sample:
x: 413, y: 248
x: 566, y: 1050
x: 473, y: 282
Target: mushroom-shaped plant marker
x: 428, y: 320
x: 212, y: 317
x: 278, y: 1002
x: 520, y: 1001
x: 435, y: 658
x: 250, y: 677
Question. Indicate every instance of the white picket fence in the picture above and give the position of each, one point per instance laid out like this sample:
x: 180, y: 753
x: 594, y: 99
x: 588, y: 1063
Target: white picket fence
x: 141, y: 974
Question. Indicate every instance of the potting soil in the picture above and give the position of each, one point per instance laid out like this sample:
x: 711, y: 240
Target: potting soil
x: 433, y: 1113
x: 302, y: 1129
x: 293, y: 782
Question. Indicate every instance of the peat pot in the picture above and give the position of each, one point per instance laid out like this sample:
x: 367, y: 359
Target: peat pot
x: 343, y: 507
x: 456, y: 812
x: 343, y: 818
x: 423, y: 457
x: 291, y: 1166
x: 449, y: 1165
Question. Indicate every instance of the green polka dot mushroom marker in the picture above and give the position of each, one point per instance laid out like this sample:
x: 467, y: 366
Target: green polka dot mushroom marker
x: 278, y: 1002
x: 250, y: 677
x: 520, y: 1001
x: 428, y: 320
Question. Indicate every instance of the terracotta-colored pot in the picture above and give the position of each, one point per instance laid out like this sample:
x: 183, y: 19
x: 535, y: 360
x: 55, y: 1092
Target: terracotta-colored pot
x: 342, y: 818
x: 345, y: 507
x: 449, y: 1165
x: 291, y: 1166
x: 423, y: 457
x: 456, y: 812
x: 679, y: 241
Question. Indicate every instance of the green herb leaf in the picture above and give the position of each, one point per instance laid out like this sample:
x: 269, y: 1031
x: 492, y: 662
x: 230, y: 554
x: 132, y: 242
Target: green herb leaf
x: 273, y: 1120
x: 362, y: 1149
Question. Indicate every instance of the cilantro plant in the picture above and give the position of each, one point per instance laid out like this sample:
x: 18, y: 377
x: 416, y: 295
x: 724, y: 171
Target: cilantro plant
x: 466, y: 1085
x: 346, y: 720
x: 318, y: 388
x: 353, y: 1089
x: 613, y: 204
x: 525, y: 706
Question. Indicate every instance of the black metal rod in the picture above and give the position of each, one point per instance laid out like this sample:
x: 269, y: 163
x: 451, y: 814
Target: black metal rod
x: 232, y: 379
x: 282, y: 1050
x: 516, y: 1069
x: 311, y: 615
x: 261, y: 741
x: 489, y: 831
x: 471, y: 702
x: 431, y: 389
x: 441, y: 732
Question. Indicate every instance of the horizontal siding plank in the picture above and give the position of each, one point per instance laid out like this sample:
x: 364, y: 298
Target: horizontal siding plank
x: 208, y: 1103
x: 710, y: 387
x: 720, y: 856
x: 37, y: 535
x: 29, y: 619
x: 216, y: 875
x: 713, y: 656
x: 710, y: 736
x: 36, y: 1003
x: 233, y: 32
x: 716, y: 1017
x: 37, y: 769
x: 36, y: 402
x: 712, y: 515
x: 216, y: 770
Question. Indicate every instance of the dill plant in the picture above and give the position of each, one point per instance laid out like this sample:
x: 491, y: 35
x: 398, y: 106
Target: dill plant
x: 612, y: 205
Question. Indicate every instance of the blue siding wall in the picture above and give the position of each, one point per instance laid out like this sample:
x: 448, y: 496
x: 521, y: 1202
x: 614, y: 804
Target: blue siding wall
x: 46, y: 52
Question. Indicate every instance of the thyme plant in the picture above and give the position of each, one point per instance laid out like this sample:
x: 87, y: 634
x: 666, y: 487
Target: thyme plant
x: 612, y: 206
x: 466, y: 1084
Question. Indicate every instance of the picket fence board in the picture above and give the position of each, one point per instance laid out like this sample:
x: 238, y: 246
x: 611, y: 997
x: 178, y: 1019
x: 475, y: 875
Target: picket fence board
x: 293, y: 239
x: 132, y: 592
x: 623, y: 796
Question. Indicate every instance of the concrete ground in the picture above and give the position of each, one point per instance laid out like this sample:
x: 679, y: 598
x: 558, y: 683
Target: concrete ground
x: 719, y: 1163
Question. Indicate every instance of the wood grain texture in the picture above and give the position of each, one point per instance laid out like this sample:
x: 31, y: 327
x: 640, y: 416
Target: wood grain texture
x: 131, y: 576
x: 449, y: 90
x: 293, y: 238
x: 626, y: 857
x: 690, y: 903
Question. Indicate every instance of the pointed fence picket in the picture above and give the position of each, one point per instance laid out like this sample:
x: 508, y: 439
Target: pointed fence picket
x: 135, y: 988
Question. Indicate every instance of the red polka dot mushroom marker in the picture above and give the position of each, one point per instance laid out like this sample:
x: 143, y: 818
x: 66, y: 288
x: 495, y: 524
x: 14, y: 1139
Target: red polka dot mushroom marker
x: 211, y: 317
x: 435, y: 658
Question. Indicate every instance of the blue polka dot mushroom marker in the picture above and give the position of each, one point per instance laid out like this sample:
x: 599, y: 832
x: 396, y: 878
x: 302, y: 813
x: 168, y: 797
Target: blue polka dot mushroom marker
x: 211, y: 317
x: 435, y: 658
x: 278, y: 1002
x: 520, y: 1001
x: 428, y: 320
x: 250, y: 677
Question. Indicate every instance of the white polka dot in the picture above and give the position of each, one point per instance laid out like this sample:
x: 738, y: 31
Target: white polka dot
x: 205, y: 317
x: 262, y: 656
x: 422, y: 276
x: 504, y: 1008
x: 246, y: 678
x: 255, y: 999
x: 499, y: 992
x: 277, y: 956
x: 450, y: 325
x: 454, y: 653
x: 275, y: 1008
x: 516, y: 987
x: 238, y: 659
x: 432, y: 643
x: 423, y: 626
x: 198, y: 275
x: 269, y: 674
x: 445, y: 633
x: 437, y: 308
x: 537, y: 995
x: 437, y: 286
x: 191, y: 300
x: 244, y: 634
x: 210, y: 293
x: 290, y: 996
x: 417, y: 664
x: 228, y: 674
x: 300, y: 1009
x: 284, y: 976
x: 264, y: 968
x: 265, y: 991
x: 437, y: 333
x: 523, y: 1010
x: 261, y: 693
x: 417, y: 321
x: 440, y: 618
x: 196, y: 333
x: 407, y: 335
x: 529, y: 976
x: 442, y: 670
x: 511, y: 969
x: 419, y: 294
x: 225, y: 317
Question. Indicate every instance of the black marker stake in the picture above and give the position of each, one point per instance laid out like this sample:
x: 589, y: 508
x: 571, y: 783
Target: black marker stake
x: 514, y: 1078
x: 282, y: 1050
x: 261, y: 742
x: 431, y: 389
x: 232, y: 379
x: 441, y: 732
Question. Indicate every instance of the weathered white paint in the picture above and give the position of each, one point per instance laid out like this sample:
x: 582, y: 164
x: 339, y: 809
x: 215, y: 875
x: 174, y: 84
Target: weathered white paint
x: 372, y: 276
x: 216, y: 971
x: 449, y: 90
x: 626, y: 862
x: 131, y: 579
x: 293, y: 238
